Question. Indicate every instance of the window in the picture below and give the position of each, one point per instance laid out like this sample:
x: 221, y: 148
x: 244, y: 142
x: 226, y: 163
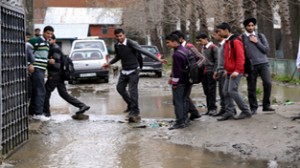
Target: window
x: 104, y: 29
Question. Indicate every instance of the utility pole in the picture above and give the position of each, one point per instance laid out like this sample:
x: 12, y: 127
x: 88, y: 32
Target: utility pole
x: 28, y: 7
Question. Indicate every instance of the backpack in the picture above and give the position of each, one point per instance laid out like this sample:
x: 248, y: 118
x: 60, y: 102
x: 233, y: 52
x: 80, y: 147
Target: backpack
x: 248, y: 67
x: 194, y: 72
x: 67, y: 68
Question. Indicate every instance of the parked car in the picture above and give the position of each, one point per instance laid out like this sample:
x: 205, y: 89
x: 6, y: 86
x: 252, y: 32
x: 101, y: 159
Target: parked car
x: 149, y: 64
x: 88, y: 64
x: 90, y: 43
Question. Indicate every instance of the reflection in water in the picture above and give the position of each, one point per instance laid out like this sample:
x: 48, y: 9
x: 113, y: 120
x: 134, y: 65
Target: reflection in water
x: 95, y: 143
x: 121, y: 147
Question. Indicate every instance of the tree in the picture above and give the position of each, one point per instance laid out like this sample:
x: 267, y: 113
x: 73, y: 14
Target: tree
x: 294, y: 8
x: 265, y: 23
x: 28, y: 6
x: 286, y: 29
x: 250, y: 8
x: 200, y: 7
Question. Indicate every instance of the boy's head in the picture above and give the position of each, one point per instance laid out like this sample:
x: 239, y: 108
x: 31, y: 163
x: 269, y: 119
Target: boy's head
x: 172, y: 41
x: 48, y: 32
x: 28, y: 35
x: 180, y: 35
x: 202, y: 39
x: 37, y: 31
x: 250, y: 24
x: 224, y: 29
x: 120, y: 35
x: 217, y: 36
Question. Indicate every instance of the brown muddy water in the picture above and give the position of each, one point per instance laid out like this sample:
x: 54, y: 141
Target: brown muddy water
x: 105, y: 143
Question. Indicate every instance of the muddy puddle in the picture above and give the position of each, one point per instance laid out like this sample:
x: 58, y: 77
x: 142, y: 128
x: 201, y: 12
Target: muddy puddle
x: 107, y: 144
x: 104, y: 142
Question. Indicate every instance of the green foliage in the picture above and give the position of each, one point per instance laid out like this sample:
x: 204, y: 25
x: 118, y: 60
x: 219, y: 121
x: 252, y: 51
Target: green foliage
x: 286, y: 79
x: 259, y: 91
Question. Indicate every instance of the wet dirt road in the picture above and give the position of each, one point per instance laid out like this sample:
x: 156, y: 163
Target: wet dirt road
x: 105, y: 142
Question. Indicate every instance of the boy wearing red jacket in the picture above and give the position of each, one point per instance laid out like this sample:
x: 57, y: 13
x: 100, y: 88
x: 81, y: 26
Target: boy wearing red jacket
x: 234, y: 59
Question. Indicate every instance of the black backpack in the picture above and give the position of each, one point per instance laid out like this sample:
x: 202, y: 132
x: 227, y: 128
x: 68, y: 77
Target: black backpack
x: 194, y: 72
x: 67, y: 68
x: 248, y: 67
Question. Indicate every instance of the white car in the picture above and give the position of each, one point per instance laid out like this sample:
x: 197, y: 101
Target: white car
x: 90, y: 43
x: 88, y: 64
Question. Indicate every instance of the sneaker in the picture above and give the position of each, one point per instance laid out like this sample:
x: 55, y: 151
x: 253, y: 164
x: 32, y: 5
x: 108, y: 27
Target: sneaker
x: 41, y: 118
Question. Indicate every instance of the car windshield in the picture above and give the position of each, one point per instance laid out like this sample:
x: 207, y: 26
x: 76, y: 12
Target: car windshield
x: 89, y: 44
x: 86, y: 55
x: 151, y: 49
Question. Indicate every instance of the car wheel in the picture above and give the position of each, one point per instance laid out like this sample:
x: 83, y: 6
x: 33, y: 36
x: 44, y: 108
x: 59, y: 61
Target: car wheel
x: 158, y: 74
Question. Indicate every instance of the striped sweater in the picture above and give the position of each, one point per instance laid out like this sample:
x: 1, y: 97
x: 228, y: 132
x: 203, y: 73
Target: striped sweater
x: 41, y: 51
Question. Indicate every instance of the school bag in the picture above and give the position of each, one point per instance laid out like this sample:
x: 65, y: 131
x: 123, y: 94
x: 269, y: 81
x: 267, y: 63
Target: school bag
x: 194, y: 72
x: 248, y: 67
x: 67, y: 68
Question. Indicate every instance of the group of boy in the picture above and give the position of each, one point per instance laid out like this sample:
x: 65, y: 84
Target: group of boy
x: 225, y: 64
x: 45, y: 55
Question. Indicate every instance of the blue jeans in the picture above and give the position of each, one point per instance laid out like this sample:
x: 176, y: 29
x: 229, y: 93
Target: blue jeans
x: 38, y: 92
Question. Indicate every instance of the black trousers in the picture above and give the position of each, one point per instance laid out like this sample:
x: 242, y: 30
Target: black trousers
x: 191, y: 108
x: 180, y: 94
x: 131, y: 97
x: 210, y: 88
x: 263, y: 71
x: 53, y: 83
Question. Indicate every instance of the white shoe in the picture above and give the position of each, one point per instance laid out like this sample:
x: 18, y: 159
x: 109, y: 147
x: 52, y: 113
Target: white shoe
x: 41, y: 118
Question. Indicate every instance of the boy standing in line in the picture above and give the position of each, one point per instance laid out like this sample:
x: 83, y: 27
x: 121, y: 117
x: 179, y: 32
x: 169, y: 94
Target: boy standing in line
x: 209, y: 84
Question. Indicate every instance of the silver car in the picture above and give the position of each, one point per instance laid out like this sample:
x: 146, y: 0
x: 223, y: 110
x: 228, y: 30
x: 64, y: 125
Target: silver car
x: 88, y: 64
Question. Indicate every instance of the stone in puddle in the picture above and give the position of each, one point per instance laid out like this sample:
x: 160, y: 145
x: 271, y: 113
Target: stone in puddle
x: 80, y: 117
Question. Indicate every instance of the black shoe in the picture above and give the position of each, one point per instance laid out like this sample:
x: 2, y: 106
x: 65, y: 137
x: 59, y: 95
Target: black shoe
x: 211, y: 112
x: 194, y: 117
x: 268, y: 109
x: 83, y: 109
x: 243, y: 115
x: 47, y: 114
x: 226, y: 116
x: 134, y: 119
x: 177, y: 126
x: 220, y: 113
x: 253, y: 111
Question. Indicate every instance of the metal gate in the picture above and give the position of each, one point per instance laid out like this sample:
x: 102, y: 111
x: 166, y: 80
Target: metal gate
x: 13, y: 92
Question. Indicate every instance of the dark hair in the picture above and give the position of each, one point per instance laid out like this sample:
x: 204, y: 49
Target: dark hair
x: 202, y: 36
x: 119, y: 30
x: 28, y: 34
x: 53, y: 37
x: 178, y: 33
x: 37, y: 29
x: 48, y: 28
x: 172, y: 37
x: 224, y: 26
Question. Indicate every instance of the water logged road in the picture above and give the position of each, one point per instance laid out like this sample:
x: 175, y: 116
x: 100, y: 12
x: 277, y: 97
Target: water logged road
x: 105, y: 142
